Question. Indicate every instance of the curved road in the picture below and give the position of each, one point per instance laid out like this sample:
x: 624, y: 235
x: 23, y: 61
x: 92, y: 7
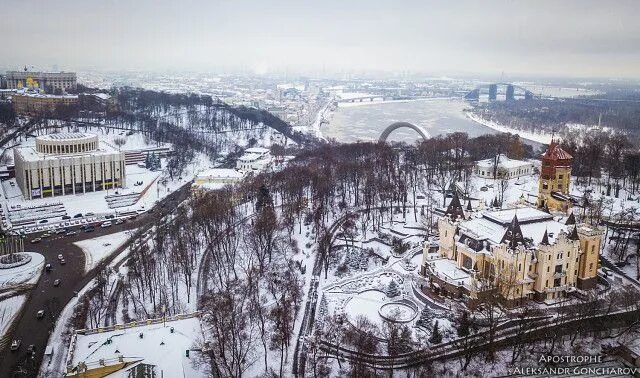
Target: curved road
x: 45, y: 296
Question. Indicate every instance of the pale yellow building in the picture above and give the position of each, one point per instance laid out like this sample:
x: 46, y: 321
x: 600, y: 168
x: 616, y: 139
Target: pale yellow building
x: 37, y: 104
x: 555, y: 179
x: 523, y: 253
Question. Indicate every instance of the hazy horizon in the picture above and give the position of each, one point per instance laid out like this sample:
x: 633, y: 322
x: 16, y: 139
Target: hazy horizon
x: 595, y: 39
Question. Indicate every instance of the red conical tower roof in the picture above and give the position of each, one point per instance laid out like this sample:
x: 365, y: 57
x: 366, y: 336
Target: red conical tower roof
x: 555, y: 152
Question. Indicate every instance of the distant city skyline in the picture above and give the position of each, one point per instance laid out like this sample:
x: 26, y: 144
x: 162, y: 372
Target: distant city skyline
x: 538, y: 38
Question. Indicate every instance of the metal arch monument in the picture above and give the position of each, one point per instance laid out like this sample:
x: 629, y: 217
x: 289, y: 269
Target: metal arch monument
x: 397, y: 125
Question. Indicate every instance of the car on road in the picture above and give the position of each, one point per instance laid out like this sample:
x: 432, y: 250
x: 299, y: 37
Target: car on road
x: 89, y: 229
x: 15, y: 344
x: 110, y: 216
x: 60, y: 257
x: 36, y: 240
x: 89, y: 214
x: 106, y: 224
x: 56, y: 282
x: 40, y: 314
x: 60, y: 231
x: 47, y: 267
x: 31, y: 349
x: 70, y: 233
x: 65, y: 217
x: 62, y: 262
x: 120, y: 221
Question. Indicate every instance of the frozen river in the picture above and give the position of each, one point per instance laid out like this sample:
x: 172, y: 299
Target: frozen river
x: 367, y: 121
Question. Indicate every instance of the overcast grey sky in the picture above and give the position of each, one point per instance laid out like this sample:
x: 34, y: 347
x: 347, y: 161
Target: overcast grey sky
x: 565, y: 38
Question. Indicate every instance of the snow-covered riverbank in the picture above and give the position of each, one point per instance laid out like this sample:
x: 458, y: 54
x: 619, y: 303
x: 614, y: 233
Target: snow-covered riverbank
x: 542, y: 137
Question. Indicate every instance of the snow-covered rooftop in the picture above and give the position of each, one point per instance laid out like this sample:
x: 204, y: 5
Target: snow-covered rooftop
x: 219, y: 173
x: 30, y: 153
x: 158, y: 346
x: 503, y: 161
x: 491, y: 226
x: 257, y: 150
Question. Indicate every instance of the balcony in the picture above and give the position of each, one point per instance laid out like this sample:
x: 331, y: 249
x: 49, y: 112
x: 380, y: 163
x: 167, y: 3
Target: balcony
x: 560, y: 274
x: 557, y: 288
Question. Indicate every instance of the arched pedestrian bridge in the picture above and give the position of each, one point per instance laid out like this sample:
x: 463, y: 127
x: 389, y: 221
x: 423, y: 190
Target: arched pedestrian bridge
x: 397, y: 125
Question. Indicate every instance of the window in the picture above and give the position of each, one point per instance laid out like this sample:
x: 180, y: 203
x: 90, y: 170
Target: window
x: 519, y: 267
x: 560, y: 177
x: 548, y: 269
x: 591, y: 266
x: 558, y: 268
x: 557, y: 282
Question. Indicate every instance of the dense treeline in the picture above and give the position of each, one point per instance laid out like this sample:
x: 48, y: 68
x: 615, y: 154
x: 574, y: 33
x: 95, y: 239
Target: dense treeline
x: 552, y: 115
x: 608, y: 157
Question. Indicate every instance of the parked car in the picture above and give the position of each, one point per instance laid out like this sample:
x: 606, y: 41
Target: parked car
x: 78, y: 215
x: 65, y: 217
x: 40, y: 314
x: 110, y: 216
x: 60, y: 231
x: 89, y: 229
x: 106, y: 224
x: 69, y: 233
x: 15, y: 344
x: 120, y: 221
x: 31, y: 349
x: 62, y: 262
x: 47, y: 267
x: 36, y: 240
x: 44, y: 221
x: 56, y: 282
x: 89, y: 214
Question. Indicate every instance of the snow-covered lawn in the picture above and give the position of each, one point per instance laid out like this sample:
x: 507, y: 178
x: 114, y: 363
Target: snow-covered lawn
x: 366, y: 304
x: 24, y: 274
x: 97, y: 249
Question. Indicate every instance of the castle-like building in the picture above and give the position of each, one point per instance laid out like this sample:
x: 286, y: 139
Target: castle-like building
x: 555, y: 179
x: 522, y: 253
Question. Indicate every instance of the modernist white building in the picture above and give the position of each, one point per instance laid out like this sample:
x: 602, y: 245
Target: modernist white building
x: 504, y: 167
x: 68, y: 163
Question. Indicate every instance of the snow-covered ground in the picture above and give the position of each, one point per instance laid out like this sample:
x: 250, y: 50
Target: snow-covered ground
x: 97, y: 249
x: 9, y: 309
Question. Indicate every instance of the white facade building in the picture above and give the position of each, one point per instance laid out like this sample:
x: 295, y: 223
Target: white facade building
x: 505, y: 168
x: 254, y: 159
x: 68, y: 163
x: 216, y: 178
